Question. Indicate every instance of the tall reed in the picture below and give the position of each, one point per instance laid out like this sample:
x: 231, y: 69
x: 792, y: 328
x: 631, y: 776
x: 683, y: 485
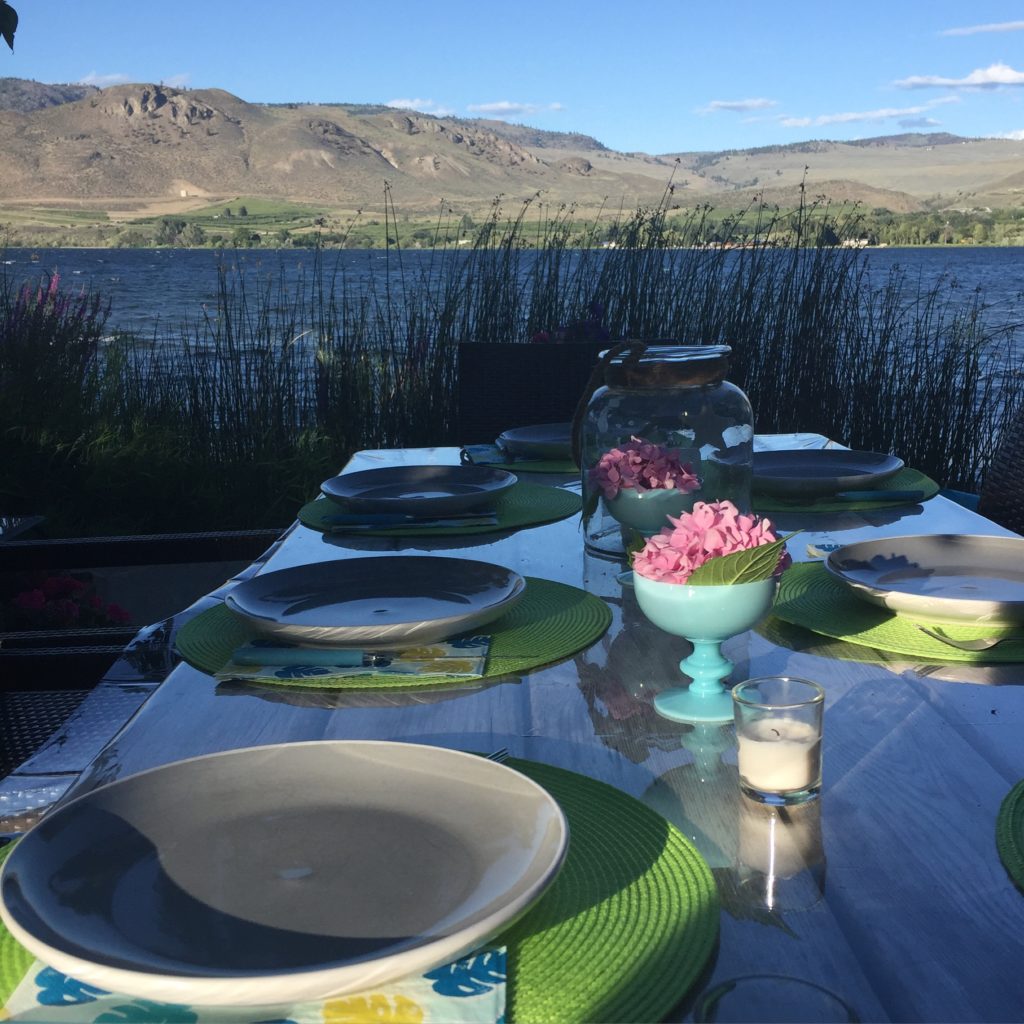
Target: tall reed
x: 238, y: 421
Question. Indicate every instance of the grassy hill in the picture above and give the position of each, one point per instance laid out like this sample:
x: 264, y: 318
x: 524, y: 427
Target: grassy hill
x: 75, y: 156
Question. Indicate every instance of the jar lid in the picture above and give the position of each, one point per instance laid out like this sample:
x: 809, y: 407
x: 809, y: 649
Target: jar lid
x: 666, y: 366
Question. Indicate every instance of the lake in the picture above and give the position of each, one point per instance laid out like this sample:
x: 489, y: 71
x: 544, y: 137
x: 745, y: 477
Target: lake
x: 153, y: 291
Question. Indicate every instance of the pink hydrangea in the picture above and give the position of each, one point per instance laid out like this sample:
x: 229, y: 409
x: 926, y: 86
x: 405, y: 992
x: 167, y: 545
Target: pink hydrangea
x: 712, y: 529
x: 31, y: 600
x: 642, y: 466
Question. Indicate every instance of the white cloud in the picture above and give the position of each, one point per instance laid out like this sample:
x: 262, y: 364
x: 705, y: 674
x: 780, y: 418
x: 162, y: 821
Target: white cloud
x: 852, y: 117
x: 422, y: 105
x: 880, y: 114
x: 177, y: 81
x: 1019, y: 135
x: 507, y: 108
x: 919, y: 122
x: 755, y: 103
x: 102, y: 81
x: 981, y: 78
x: 973, y: 30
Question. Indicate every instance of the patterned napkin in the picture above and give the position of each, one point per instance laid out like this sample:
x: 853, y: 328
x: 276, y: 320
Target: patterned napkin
x: 469, y: 991
x: 270, y: 661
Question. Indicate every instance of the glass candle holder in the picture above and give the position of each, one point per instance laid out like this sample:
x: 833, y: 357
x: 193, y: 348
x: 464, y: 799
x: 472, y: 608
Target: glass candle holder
x: 676, y: 399
x: 778, y: 737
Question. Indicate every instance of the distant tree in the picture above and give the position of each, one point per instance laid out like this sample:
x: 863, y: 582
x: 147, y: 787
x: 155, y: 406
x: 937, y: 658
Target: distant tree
x: 228, y: 213
x: 243, y: 238
x: 243, y: 212
x: 168, y: 230
x: 193, y: 235
x: 132, y: 238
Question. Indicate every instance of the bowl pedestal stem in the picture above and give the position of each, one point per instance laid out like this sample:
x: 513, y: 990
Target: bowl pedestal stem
x: 705, y: 699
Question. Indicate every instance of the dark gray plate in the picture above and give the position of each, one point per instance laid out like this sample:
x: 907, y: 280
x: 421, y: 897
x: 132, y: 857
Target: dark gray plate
x: 419, y: 490
x: 283, y: 873
x: 543, y: 441
x: 947, y: 578
x: 378, y: 601
x: 816, y: 472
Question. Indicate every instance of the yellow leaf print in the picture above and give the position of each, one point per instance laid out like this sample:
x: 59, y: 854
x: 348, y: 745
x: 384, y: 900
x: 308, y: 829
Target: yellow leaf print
x: 422, y: 653
x: 375, y: 1009
x: 449, y: 666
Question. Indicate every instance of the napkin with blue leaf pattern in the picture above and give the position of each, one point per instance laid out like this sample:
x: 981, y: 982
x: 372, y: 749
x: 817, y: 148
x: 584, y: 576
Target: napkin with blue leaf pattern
x: 264, y: 660
x: 468, y: 991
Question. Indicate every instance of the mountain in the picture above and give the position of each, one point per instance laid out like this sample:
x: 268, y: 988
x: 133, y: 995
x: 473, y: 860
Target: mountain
x: 145, y: 147
x: 24, y: 96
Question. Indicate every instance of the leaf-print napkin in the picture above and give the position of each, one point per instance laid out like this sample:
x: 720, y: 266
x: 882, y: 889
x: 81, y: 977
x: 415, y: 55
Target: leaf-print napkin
x: 276, y: 662
x: 468, y: 991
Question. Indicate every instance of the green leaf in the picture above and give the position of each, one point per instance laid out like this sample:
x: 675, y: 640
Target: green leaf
x: 747, y: 566
x: 634, y: 545
x: 8, y: 23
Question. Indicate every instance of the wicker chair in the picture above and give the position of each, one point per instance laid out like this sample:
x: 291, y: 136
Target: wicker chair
x: 1002, y: 493
x: 503, y: 385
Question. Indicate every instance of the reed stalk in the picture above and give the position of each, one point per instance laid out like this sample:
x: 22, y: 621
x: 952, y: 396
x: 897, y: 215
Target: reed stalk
x: 237, y: 422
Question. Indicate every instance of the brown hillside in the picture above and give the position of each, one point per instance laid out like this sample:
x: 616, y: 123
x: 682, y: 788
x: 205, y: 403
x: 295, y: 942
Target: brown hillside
x: 146, y: 146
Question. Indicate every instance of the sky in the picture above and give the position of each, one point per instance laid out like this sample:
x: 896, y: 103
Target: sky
x: 637, y: 75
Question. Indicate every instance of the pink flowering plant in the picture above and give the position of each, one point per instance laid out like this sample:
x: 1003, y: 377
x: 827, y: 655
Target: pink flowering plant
x: 642, y: 466
x: 713, y: 545
x: 60, y: 601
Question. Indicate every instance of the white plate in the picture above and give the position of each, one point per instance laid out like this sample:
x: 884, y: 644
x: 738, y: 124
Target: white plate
x: 947, y: 578
x: 283, y: 873
x: 542, y: 441
x: 377, y: 601
x: 816, y: 472
x: 418, y: 490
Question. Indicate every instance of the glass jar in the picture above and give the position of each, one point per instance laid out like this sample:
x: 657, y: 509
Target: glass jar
x: 677, y: 398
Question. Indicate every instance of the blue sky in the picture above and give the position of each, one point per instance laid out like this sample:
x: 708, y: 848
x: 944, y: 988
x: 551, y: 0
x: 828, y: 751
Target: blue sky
x: 651, y: 76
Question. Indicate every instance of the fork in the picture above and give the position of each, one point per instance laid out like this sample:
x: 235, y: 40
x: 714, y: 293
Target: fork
x: 498, y: 756
x: 984, y: 644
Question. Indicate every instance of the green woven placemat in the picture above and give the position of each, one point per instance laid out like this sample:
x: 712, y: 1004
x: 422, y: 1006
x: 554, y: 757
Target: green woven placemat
x: 524, y: 504
x: 15, y: 959
x: 810, y: 597
x: 622, y: 933
x: 552, y: 621
x: 628, y: 925
x: 904, y: 480
x: 1010, y: 834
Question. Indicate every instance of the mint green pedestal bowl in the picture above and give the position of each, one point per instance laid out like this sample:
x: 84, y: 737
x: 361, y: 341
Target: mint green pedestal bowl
x: 705, y: 616
x: 646, y: 511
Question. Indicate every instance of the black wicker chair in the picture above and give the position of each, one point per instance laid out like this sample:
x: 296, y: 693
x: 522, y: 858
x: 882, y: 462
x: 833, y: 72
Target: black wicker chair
x: 518, y: 385
x: 1002, y: 493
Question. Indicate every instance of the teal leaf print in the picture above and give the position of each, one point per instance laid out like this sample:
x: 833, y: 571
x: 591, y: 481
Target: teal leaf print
x: 56, y: 989
x: 471, y: 976
x: 301, y: 671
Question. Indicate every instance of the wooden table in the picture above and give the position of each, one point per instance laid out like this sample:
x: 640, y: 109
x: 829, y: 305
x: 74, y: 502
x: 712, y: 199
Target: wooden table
x: 897, y: 900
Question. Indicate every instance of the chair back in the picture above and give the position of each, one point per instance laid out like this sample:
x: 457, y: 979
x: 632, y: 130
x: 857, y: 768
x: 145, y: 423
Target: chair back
x: 1002, y: 493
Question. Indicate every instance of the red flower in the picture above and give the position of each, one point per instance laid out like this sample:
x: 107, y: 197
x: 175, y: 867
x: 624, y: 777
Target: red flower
x: 118, y: 614
x: 31, y: 600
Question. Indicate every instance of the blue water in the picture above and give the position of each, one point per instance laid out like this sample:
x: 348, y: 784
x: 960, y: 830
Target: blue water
x: 157, y: 290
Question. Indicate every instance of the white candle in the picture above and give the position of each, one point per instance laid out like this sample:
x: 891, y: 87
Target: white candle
x: 779, y: 755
